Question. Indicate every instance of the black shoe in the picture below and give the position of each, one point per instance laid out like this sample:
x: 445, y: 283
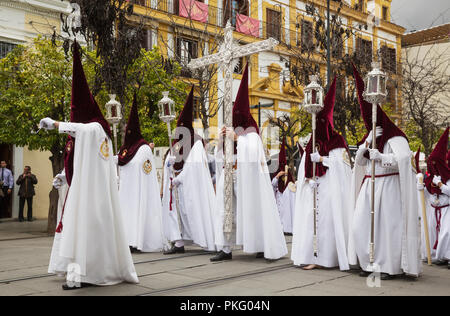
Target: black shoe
x: 30, y: 220
x: 386, y: 277
x: 174, y: 250
x: 221, y: 256
x: 364, y: 274
x: 66, y: 287
x: 134, y: 250
x: 287, y: 234
x: 441, y: 263
x: 21, y: 220
x: 260, y: 255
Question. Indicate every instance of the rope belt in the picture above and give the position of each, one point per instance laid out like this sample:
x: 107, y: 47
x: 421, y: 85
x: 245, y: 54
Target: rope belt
x: 438, y: 215
x: 380, y: 176
x: 60, y: 225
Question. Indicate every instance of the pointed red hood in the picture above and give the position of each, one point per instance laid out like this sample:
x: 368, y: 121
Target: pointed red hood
x: 327, y: 138
x: 282, y: 163
x: 186, y: 120
x: 417, y: 160
x: 437, y: 165
x: 389, y: 128
x: 448, y: 158
x: 133, y: 137
x: 83, y: 109
x: 242, y: 118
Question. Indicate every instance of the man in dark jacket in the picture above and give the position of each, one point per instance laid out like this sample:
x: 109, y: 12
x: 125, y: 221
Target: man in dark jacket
x: 27, y: 180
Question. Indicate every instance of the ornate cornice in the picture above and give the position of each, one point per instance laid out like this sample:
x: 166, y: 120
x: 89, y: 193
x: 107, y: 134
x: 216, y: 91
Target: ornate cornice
x: 50, y: 8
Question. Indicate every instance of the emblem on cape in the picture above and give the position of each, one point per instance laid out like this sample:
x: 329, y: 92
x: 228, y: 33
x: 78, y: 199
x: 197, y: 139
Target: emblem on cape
x: 69, y: 146
x: 124, y: 153
x: 177, y: 146
x: 104, y: 149
x: 346, y: 158
x: 147, y: 167
x: 292, y: 187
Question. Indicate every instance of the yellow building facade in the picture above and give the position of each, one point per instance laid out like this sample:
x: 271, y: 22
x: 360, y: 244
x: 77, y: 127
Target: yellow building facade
x: 269, y: 73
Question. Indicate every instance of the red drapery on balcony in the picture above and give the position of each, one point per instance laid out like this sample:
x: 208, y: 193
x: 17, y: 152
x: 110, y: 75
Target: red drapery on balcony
x: 195, y: 10
x: 247, y: 25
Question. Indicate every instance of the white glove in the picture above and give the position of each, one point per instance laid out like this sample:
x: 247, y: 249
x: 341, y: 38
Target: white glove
x: 59, y: 180
x: 378, y: 133
x: 375, y: 155
x: 171, y: 161
x: 359, y: 159
x: 315, y: 157
x: 313, y: 184
x: 176, y: 182
x: 419, y: 183
x: 437, y: 180
x: 47, y: 123
x: 116, y: 159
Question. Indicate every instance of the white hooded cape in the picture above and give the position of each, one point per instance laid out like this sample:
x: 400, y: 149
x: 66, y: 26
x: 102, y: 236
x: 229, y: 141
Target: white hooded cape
x: 333, y: 216
x: 93, y: 236
x: 406, y: 195
x: 141, y: 202
x: 196, y: 201
x: 258, y: 225
x: 58, y: 264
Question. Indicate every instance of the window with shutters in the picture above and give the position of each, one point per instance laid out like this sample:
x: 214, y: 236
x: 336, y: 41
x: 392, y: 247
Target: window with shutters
x: 307, y: 40
x: 337, y: 45
x: 385, y: 13
x: 233, y: 7
x: 364, y: 51
x: 388, y: 59
x: 273, y: 24
x: 186, y: 49
x: 5, y: 48
x: 147, y: 40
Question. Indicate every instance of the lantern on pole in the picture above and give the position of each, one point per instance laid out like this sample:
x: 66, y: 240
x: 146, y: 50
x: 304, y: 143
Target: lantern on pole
x: 313, y: 103
x: 166, y: 108
x: 113, y: 115
x: 374, y: 93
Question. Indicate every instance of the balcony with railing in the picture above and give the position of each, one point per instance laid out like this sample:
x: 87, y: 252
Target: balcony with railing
x: 198, y: 11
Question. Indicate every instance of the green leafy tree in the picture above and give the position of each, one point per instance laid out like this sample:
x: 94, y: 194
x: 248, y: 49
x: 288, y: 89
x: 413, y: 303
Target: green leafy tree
x: 35, y: 82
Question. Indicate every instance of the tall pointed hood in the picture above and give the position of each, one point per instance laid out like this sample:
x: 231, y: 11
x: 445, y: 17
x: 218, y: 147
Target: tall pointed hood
x: 242, y: 118
x: 282, y: 163
x: 448, y: 158
x: 437, y: 165
x: 83, y: 109
x: 327, y: 138
x: 417, y: 160
x: 133, y: 137
x: 389, y: 128
x: 185, y: 120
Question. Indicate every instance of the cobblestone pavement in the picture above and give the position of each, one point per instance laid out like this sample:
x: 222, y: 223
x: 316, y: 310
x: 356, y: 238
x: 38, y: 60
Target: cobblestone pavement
x: 25, y: 252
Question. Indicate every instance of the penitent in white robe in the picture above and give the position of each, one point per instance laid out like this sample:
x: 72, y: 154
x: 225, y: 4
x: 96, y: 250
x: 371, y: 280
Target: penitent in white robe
x: 432, y: 202
x: 333, y: 215
x: 285, y: 204
x: 141, y: 202
x: 93, y: 237
x: 257, y: 223
x: 196, y: 201
x: 397, y: 229
x: 58, y: 264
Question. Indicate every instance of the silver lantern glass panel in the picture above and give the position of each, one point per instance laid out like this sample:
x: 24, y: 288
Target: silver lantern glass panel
x: 113, y: 110
x: 166, y: 108
x: 375, y: 91
x: 313, y: 101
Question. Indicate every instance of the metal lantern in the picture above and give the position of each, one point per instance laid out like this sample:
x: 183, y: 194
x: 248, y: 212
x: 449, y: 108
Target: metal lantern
x: 375, y: 91
x: 313, y: 102
x: 113, y: 110
x: 166, y: 108
x: 113, y: 115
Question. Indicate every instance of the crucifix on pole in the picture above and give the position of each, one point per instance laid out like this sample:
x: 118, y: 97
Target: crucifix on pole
x: 228, y: 52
